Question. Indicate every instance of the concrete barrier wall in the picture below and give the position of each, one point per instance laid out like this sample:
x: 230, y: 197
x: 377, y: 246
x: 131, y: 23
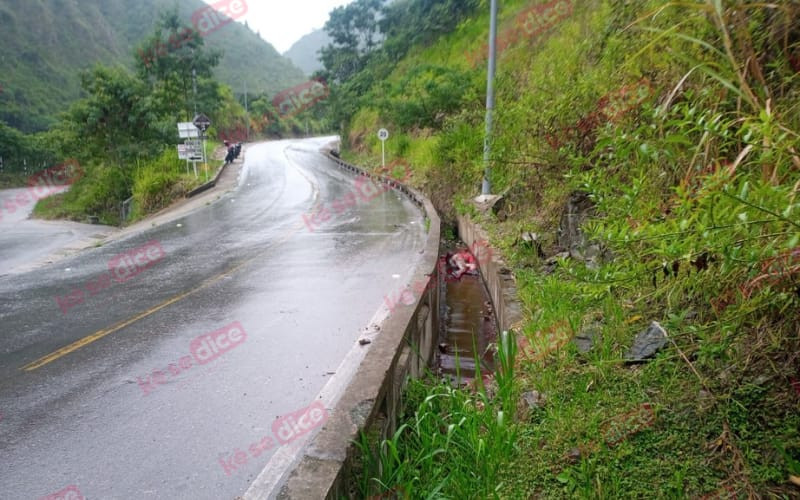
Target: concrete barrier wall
x: 213, y: 182
x: 372, y: 401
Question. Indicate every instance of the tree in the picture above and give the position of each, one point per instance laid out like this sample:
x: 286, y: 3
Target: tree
x: 170, y: 59
x: 117, y: 119
x: 19, y: 151
x: 355, y: 34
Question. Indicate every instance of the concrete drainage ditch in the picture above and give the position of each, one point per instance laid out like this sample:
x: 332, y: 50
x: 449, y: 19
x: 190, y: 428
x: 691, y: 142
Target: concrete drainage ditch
x: 468, y: 326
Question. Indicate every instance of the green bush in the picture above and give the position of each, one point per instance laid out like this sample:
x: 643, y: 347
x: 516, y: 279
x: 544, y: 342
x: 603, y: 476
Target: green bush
x: 98, y: 192
x: 159, y: 182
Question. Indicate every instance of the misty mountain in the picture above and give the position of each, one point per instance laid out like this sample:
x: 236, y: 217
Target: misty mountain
x: 304, y: 52
x: 46, y: 43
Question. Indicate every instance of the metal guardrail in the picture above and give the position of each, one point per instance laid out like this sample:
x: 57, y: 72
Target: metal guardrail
x: 412, y: 195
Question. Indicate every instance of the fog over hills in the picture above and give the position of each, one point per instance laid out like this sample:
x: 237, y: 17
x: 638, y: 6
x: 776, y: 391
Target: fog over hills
x: 304, y: 52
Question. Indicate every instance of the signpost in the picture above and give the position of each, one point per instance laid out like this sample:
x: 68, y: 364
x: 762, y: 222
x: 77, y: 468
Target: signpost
x: 183, y: 153
x: 383, y: 134
x: 202, y: 122
x: 187, y: 130
x: 190, y: 149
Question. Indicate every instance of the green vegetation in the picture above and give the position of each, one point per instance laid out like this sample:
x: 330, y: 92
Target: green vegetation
x: 159, y: 182
x: 21, y: 154
x: 452, y: 441
x: 47, y: 44
x: 123, y: 133
x: 357, y: 65
x: 679, y: 124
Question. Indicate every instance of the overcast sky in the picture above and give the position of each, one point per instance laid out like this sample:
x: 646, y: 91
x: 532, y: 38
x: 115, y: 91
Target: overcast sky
x: 283, y: 22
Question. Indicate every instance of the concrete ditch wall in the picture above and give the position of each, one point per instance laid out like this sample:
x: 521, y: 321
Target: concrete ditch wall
x: 497, y: 276
x: 372, y: 400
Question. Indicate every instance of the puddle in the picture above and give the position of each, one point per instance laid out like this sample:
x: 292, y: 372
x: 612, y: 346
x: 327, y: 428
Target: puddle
x: 468, y: 324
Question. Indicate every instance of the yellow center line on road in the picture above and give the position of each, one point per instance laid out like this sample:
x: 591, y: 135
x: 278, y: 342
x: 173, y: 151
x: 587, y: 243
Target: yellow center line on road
x: 100, y: 334
x: 49, y: 358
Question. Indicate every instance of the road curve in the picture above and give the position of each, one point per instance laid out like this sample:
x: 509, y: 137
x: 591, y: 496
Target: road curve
x: 176, y: 362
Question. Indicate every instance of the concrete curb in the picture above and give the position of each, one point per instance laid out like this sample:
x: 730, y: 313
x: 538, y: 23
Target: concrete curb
x: 213, y: 182
x: 372, y: 399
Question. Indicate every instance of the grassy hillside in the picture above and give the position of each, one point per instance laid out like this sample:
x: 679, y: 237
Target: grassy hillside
x: 46, y: 43
x: 675, y: 129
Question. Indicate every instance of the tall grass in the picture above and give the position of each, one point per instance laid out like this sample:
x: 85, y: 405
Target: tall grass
x: 452, y: 443
x: 98, y: 193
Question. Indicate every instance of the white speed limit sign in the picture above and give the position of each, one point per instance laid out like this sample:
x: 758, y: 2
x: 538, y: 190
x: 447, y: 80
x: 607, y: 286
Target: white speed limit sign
x: 383, y: 134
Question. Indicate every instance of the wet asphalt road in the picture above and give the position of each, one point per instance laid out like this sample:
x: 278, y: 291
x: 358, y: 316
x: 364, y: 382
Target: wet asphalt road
x: 89, y: 411
x: 24, y: 242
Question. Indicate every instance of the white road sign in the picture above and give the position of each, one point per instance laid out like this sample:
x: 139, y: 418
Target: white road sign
x: 383, y: 134
x: 187, y: 130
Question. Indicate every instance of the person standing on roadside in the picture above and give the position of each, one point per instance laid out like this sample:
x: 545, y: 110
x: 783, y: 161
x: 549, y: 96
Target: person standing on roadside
x: 230, y: 155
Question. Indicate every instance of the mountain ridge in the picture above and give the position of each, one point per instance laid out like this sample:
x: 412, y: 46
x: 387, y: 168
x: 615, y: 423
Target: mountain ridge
x: 40, y: 68
x: 304, y: 52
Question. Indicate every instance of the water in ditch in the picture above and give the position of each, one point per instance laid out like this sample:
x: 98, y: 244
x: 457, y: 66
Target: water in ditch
x: 468, y: 325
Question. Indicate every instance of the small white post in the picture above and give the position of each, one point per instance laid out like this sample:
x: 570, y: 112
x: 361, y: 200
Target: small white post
x: 383, y: 134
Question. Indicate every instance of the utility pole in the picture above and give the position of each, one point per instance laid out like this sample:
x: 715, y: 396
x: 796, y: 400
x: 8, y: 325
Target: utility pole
x: 487, y: 139
x: 246, y: 113
x: 194, y: 89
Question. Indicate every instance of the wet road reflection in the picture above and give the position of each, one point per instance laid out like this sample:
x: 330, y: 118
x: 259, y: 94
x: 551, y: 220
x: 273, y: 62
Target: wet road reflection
x: 160, y: 372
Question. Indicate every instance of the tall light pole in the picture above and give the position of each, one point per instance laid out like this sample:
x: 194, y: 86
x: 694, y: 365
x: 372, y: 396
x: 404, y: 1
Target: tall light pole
x: 194, y: 89
x: 486, y: 188
x: 246, y: 114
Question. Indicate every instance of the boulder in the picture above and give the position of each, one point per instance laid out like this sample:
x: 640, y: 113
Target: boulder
x: 571, y: 239
x: 647, y: 343
x: 588, y: 337
x: 486, y: 202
